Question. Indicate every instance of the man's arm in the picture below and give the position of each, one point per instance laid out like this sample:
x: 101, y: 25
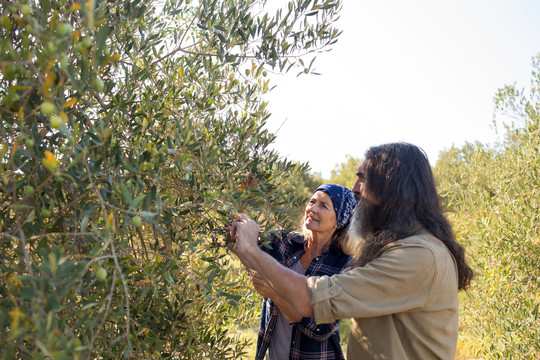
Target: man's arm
x: 287, y: 284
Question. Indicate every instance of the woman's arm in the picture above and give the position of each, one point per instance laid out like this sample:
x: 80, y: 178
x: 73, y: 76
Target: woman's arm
x: 306, y: 325
x: 265, y: 290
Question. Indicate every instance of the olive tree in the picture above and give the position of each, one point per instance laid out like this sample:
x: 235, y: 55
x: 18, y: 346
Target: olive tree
x: 131, y: 133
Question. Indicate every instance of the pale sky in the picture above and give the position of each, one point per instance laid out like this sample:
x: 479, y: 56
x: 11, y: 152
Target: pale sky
x: 420, y: 71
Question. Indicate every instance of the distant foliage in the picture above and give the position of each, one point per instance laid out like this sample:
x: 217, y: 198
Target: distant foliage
x: 345, y: 173
x: 493, y: 198
x: 131, y: 133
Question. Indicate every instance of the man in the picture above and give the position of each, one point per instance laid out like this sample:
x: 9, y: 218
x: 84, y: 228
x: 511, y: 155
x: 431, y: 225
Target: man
x: 402, y: 291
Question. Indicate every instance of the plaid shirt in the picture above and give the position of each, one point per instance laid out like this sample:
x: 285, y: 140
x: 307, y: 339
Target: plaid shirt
x: 308, y: 340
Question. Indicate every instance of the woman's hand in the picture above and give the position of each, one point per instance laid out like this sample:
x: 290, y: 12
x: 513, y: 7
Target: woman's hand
x: 261, y: 286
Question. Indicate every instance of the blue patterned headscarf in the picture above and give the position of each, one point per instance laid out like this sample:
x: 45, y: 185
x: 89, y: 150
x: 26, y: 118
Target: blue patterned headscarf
x: 343, y: 201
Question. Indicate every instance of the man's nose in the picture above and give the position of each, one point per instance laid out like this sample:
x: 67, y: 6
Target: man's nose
x: 356, y: 187
x: 357, y: 190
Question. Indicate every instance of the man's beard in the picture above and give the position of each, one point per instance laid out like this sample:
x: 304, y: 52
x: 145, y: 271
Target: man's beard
x: 355, y: 232
x: 355, y: 227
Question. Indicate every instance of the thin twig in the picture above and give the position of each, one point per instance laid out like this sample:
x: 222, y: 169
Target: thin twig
x: 35, y: 237
x: 111, y: 242
x: 109, y: 300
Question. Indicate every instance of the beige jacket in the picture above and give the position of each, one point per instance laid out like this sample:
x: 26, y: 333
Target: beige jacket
x: 404, y: 304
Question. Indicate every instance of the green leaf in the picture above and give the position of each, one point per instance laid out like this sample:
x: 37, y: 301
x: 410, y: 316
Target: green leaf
x: 20, y: 206
x: 135, y: 202
x: 148, y: 214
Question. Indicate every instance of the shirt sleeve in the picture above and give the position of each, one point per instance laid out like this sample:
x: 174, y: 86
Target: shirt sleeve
x: 318, y: 332
x: 399, y: 280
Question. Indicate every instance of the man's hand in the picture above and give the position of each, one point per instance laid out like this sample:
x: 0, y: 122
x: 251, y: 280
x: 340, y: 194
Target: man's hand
x: 246, y: 233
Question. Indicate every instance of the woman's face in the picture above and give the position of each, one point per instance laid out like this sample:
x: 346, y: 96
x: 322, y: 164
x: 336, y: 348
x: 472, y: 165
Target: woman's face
x: 320, y: 214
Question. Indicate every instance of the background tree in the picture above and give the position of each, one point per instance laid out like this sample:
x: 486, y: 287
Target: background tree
x: 131, y: 132
x: 493, y: 196
x: 345, y: 173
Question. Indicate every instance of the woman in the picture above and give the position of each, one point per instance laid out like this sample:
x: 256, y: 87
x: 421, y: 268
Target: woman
x: 316, y: 252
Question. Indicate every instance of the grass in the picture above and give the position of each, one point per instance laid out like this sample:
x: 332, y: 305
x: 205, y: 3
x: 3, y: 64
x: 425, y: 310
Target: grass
x: 344, y: 326
x: 249, y: 334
